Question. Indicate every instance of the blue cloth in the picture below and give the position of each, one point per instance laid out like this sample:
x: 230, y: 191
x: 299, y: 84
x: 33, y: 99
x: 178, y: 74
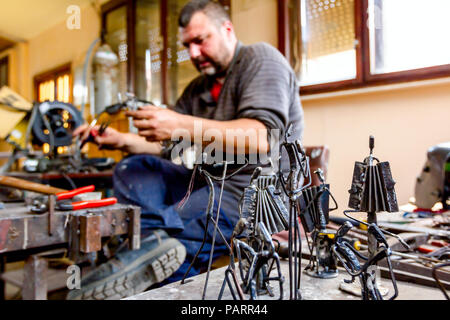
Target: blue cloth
x: 157, y: 186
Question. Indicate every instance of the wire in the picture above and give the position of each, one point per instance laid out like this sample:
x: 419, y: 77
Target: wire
x: 72, y: 184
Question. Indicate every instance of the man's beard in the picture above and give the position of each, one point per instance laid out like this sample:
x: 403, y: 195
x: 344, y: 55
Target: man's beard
x: 211, y: 70
x: 217, y: 66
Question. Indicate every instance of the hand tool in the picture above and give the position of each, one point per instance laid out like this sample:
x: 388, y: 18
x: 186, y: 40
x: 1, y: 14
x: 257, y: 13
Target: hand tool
x: 28, y: 185
x: 63, y: 201
x: 94, y: 133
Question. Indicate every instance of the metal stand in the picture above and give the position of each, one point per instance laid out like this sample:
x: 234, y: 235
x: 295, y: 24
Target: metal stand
x: 292, y: 187
x: 210, y: 218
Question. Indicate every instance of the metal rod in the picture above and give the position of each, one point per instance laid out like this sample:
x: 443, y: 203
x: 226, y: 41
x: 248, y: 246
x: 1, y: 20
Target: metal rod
x: 216, y: 226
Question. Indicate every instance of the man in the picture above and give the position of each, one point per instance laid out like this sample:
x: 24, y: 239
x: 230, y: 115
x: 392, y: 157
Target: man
x: 242, y: 88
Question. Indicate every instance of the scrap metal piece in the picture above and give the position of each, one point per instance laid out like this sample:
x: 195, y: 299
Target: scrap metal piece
x: 74, y: 238
x: 90, y: 236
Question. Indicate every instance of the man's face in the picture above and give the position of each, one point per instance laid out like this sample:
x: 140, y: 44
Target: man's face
x: 210, y: 47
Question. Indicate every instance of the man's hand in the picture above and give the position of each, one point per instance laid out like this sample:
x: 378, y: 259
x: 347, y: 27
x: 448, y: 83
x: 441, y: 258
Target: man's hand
x: 110, y: 139
x: 156, y: 124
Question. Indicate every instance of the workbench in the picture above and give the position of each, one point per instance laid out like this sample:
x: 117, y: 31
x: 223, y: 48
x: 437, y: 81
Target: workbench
x: 24, y: 235
x: 311, y: 288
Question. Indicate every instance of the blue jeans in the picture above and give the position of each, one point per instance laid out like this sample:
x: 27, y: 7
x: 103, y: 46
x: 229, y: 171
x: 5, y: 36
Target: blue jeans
x: 157, y: 186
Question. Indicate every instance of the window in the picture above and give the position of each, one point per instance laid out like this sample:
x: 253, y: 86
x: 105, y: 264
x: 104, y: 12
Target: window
x: 340, y: 44
x: 54, y: 85
x: 153, y: 63
x: 328, y: 43
x: 4, y: 73
x: 411, y: 40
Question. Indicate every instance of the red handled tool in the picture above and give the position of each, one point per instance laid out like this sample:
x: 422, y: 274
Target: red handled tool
x: 94, y: 133
x: 86, y: 204
x: 63, y: 202
x: 70, y: 194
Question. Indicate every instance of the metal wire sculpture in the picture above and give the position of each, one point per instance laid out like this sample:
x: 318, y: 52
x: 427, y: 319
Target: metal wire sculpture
x: 367, y: 272
x: 292, y: 186
x: 314, y: 216
x: 262, y: 214
x: 372, y: 191
x: 210, y: 216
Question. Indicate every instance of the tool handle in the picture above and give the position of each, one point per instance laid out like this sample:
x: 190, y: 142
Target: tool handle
x: 93, y: 203
x: 70, y: 194
x: 28, y: 185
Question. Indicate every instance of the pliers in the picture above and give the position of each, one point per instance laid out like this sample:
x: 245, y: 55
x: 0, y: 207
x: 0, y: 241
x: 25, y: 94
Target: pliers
x: 94, y: 133
x: 63, y: 202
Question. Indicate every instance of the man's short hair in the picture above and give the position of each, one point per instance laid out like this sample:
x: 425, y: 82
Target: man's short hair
x: 214, y: 10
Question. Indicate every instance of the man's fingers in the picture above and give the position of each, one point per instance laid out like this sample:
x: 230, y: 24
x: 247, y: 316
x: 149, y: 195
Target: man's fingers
x: 84, y: 132
x: 140, y: 114
x: 79, y: 130
x: 146, y: 133
x: 149, y: 107
x: 144, y: 124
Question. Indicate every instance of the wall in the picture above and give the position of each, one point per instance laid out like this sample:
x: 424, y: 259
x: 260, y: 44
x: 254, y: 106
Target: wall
x: 406, y: 120
x: 19, y: 72
x: 60, y: 45
x: 255, y: 20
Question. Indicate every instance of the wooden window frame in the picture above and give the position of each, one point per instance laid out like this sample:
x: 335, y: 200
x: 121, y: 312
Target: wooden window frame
x: 53, y: 75
x: 5, y: 60
x: 364, y: 78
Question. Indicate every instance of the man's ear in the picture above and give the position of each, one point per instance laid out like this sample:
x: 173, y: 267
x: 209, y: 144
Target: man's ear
x: 229, y: 28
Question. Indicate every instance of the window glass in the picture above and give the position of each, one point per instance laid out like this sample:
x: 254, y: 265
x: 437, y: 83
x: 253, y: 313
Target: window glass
x: 54, y: 86
x: 149, y: 50
x: 181, y: 70
x: 408, y: 34
x: 116, y: 37
x: 328, y: 51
